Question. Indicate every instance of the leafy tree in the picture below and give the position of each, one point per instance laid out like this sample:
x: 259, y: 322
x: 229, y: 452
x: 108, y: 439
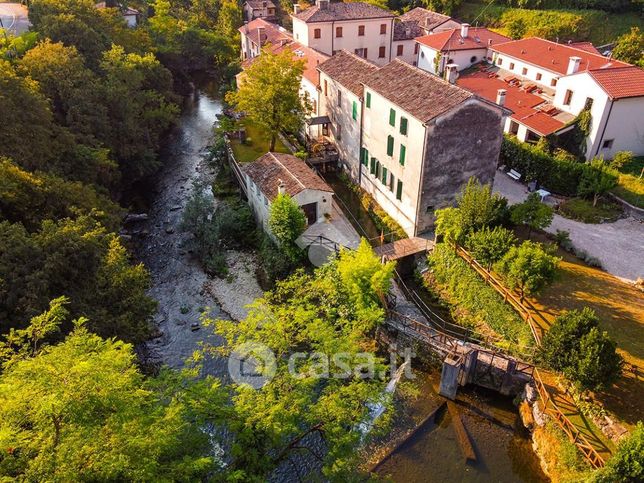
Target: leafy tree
x: 627, y: 463
x: 442, y: 6
x: 479, y: 207
x: 229, y: 19
x: 488, y: 246
x: 532, y: 213
x: 630, y: 47
x: 269, y: 93
x: 596, y: 180
x: 528, y: 267
x: 287, y: 222
x: 449, y: 224
x: 516, y: 28
x: 575, y: 346
x: 319, y: 313
x: 81, y: 410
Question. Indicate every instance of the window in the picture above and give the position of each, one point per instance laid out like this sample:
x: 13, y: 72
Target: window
x: 399, y: 50
x: 538, y: 75
x: 607, y: 144
x: 339, y: 98
x: 372, y: 167
x: 315, y: 106
x: 524, y: 71
x: 338, y: 31
x: 354, y: 111
x: 415, y: 48
x: 338, y: 133
x: 381, y: 52
x: 326, y: 88
x: 317, y: 33
x: 399, y: 189
x: 403, y: 152
x: 368, y: 100
x: 377, y: 173
x: 364, y: 156
x: 390, y: 145
x: 383, y: 28
x: 392, y: 180
x: 553, y: 82
x: 473, y: 59
x: 567, y: 97
x: 392, y: 117
x: 422, y: 54
x: 383, y: 178
x: 361, y: 30
x: 499, y: 61
x: 361, y: 53
x: 511, y: 65
x: 403, y: 125
x: 589, y: 103
x: 414, y: 63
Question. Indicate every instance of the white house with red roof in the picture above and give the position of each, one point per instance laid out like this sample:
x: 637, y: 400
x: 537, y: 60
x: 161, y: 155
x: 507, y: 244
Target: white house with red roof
x: 461, y: 47
x: 547, y: 84
x: 259, y: 9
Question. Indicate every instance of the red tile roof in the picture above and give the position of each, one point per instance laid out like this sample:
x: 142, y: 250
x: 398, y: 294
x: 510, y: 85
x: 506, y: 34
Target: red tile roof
x: 553, y: 56
x: 271, y: 33
x: 620, y: 82
x: 523, y: 104
x: 477, y: 38
x: 342, y: 11
x: 268, y: 170
x: 587, y: 46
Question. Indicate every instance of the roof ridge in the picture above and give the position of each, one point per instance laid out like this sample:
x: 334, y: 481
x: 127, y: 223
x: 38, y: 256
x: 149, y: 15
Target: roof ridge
x: 287, y: 170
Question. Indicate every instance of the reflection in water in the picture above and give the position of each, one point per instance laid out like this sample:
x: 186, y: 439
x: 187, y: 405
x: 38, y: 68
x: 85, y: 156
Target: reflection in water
x: 503, y: 448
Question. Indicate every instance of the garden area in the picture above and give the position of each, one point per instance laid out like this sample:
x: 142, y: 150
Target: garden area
x: 595, y: 26
x: 630, y: 185
x: 256, y: 143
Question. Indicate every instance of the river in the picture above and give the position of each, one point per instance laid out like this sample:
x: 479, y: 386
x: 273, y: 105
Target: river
x: 181, y: 288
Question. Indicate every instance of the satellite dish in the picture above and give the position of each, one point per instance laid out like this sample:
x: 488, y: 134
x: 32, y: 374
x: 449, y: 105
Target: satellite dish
x: 320, y: 254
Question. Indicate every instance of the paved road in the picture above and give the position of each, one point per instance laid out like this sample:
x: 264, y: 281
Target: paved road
x: 618, y: 245
x: 14, y: 18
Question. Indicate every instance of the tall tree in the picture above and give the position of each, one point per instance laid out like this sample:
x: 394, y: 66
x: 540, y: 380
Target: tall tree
x: 630, y: 47
x: 269, y: 93
x: 479, y: 207
x: 488, y: 246
x: 81, y: 410
x: 528, y: 267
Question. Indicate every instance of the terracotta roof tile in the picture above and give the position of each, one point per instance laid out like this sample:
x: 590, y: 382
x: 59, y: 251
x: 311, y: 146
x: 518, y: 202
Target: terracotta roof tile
x: 271, y: 33
x: 587, y: 46
x: 553, y: 56
x: 268, y: 170
x: 477, y: 38
x: 342, y: 11
x: 349, y: 70
x: 420, y: 93
x: 417, y: 22
x: 620, y: 82
x: 257, y: 4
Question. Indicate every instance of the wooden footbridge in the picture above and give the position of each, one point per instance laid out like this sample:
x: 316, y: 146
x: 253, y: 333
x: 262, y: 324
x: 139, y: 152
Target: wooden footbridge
x: 403, y: 248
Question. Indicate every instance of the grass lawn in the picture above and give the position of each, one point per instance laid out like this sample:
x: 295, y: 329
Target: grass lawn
x: 257, y: 143
x: 620, y: 307
x: 594, y: 25
x: 584, y: 211
x: 631, y: 186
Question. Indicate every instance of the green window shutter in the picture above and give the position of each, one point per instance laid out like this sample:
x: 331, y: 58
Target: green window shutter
x: 377, y: 173
x: 403, y: 125
x: 364, y: 157
x: 368, y: 99
x: 372, y: 169
x: 384, y: 175
x: 390, y: 145
x: 403, y: 151
x: 392, y: 117
x: 399, y: 190
x: 355, y: 110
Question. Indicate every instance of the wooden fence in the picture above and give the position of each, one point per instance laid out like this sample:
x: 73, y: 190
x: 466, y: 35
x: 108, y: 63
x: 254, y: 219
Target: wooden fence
x: 574, y: 435
x: 530, y: 314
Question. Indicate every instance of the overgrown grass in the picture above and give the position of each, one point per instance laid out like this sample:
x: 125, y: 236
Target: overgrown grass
x: 596, y: 26
x: 465, y: 289
x: 583, y: 210
x: 257, y: 143
x: 631, y: 189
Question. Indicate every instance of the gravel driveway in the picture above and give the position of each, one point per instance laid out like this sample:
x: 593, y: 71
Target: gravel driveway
x: 619, y: 245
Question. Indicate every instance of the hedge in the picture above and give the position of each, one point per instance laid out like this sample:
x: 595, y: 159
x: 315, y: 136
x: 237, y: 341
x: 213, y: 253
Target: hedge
x: 556, y: 175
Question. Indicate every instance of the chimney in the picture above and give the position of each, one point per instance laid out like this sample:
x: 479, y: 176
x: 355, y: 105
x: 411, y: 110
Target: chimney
x: 451, y: 73
x: 489, y: 42
x: 323, y: 4
x: 281, y: 187
x: 573, y: 65
x: 465, y: 29
x: 500, y: 97
x: 296, y: 8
